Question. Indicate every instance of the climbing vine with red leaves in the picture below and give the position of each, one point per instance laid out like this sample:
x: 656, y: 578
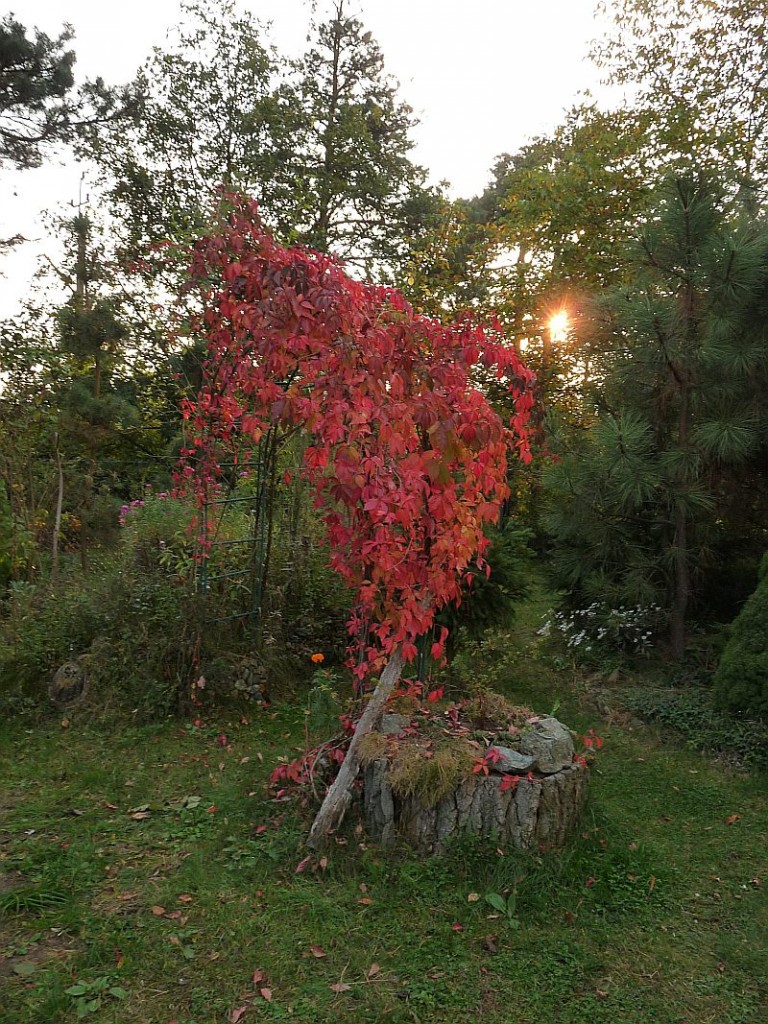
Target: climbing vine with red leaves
x: 405, y: 455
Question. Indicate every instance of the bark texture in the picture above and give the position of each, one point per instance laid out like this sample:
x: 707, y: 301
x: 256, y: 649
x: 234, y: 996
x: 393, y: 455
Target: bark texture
x: 543, y: 812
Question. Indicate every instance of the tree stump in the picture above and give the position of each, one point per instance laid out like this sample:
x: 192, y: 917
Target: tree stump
x: 539, y: 810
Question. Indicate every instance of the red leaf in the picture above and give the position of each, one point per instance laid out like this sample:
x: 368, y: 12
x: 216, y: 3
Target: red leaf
x: 732, y: 819
x: 457, y: 927
x: 435, y: 695
x: 257, y: 976
x: 302, y: 864
x: 509, y: 782
x: 266, y: 993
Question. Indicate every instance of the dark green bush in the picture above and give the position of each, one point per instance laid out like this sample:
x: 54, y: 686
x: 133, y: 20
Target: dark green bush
x: 741, y: 679
x: 489, y: 601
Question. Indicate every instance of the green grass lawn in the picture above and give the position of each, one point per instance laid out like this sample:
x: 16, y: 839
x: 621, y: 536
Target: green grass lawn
x: 148, y: 878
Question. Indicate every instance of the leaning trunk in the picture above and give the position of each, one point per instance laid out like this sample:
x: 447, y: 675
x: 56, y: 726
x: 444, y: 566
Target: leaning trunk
x: 338, y: 797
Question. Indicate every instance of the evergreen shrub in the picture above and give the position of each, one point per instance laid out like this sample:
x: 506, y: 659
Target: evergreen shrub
x: 741, y: 679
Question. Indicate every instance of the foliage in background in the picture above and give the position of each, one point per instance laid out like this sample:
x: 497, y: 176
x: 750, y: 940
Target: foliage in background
x: 639, y: 501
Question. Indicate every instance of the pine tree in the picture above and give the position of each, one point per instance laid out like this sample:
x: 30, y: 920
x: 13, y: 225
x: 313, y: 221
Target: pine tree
x: 637, y: 510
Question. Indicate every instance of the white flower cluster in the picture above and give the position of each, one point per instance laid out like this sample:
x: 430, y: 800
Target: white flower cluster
x: 626, y: 629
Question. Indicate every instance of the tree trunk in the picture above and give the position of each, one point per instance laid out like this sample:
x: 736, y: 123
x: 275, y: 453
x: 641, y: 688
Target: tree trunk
x: 57, y: 518
x: 682, y: 575
x: 338, y: 797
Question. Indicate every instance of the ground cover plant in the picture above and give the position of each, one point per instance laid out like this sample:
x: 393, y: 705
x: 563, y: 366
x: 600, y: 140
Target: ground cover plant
x: 152, y: 876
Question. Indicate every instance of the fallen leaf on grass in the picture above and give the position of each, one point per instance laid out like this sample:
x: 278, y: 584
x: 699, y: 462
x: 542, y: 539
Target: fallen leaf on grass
x: 457, y: 927
x: 373, y: 970
x: 185, y: 898
x: 366, y: 901
x: 340, y: 986
x: 158, y: 911
x: 266, y: 993
x: 318, y: 952
x: 258, y: 976
x: 473, y: 897
x: 302, y: 864
x: 141, y: 815
x: 732, y: 819
x: 236, y: 1015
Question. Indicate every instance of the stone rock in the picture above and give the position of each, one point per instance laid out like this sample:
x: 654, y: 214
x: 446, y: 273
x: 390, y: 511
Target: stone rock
x: 549, y: 743
x: 510, y: 761
x: 393, y: 725
x: 68, y: 685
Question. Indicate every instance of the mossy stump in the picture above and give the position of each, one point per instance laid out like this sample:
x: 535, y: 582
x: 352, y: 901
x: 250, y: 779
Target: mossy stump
x: 540, y: 813
x: 538, y: 809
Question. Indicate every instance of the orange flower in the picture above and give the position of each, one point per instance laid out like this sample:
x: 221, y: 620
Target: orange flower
x: 317, y: 659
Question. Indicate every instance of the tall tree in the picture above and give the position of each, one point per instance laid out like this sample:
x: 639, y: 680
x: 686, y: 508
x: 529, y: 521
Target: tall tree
x: 561, y: 208
x: 211, y: 115
x: 638, y: 506
x: 699, y: 72
x: 322, y: 143
x: 36, y: 92
x: 363, y: 194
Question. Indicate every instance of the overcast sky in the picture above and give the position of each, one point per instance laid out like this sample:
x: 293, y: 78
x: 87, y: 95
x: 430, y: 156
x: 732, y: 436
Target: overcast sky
x: 482, y: 77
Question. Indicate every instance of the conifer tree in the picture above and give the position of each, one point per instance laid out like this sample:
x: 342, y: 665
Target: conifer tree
x: 637, y: 505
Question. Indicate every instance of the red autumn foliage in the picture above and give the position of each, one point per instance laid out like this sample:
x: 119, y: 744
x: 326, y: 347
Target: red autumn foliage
x: 405, y: 455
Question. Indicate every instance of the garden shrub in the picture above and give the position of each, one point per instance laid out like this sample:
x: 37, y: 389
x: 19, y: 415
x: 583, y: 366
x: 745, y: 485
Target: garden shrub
x: 147, y: 634
x: 741, y: 679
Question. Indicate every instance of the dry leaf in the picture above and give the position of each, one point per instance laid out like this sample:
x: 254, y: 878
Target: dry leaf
x: 257, y: 976
x: 185, y: 898
x: 266, y: 993
x: 158, y: 911
x: 366, y: 901
x: 373, y: 969
x: 473, y: 897
x: 340, y: 986
x: 141, y: 815
x: 318, y: 951
x: 236, y: 1015
x: 732, y: 819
